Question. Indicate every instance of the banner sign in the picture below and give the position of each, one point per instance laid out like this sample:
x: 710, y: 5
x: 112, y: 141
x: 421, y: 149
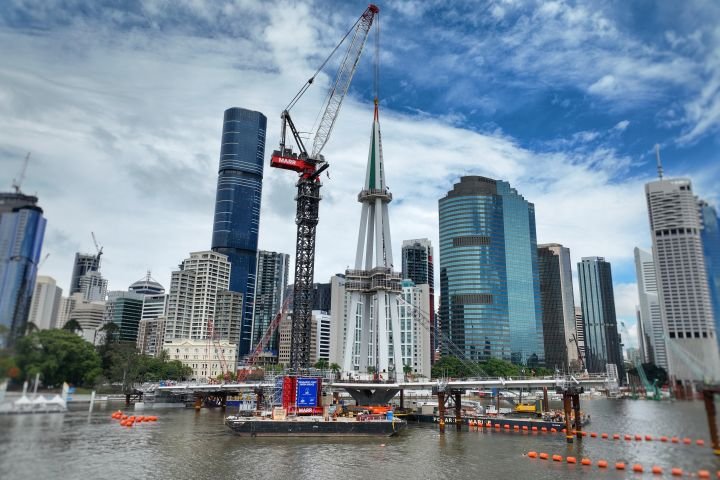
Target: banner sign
x: 307, y: 392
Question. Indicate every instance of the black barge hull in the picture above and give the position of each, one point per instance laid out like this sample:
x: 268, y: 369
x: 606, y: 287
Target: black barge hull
x: 320, y: 428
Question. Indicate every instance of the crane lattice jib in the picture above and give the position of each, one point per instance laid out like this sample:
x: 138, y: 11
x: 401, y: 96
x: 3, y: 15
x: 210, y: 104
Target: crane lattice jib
x: 344, y: 76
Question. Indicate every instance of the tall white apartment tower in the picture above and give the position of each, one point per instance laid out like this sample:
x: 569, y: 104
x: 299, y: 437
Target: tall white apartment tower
x: 654, y: 334
x: 683, y: 292
x: 45, y: 304
x: 194, y: 290
x: 373, y: 330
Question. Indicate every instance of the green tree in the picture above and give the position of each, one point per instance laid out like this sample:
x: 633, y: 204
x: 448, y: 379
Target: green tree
x: 496, y: 367
x: 335, y: 369
x: 322, y: 364
x: 58, y: 356
x: 72, y: 326
x: 449, y: 366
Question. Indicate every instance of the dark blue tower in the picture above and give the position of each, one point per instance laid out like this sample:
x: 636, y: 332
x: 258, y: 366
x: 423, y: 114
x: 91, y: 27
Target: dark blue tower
x: 237, y: 206
x: 22, y: 229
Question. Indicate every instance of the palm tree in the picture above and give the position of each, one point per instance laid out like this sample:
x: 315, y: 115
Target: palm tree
x: 335, y: 369
x: 321, y: 364
x: 73, y: 326
x: 30, y: 328
x: 407, y: 370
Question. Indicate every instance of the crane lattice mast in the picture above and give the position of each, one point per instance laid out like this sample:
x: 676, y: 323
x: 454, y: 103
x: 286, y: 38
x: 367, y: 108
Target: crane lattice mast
x: 310, y: 166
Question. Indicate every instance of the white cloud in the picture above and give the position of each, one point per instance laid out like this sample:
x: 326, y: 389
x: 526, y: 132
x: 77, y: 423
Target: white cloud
x: 622, y: 125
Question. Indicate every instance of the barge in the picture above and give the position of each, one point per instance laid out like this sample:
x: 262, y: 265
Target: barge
x: 317, y: 426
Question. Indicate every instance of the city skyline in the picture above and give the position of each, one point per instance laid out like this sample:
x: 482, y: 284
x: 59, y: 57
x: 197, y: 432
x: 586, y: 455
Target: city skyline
x: 152, y: 169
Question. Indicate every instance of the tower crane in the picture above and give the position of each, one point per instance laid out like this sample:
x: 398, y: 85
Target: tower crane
x: 309, y: 165
x: 98, y: 248
x: 17, y: 182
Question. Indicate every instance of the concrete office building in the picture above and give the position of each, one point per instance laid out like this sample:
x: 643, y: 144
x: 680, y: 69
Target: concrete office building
x: 652, y: 333
x: 683, y: 288
x: 45, y: 304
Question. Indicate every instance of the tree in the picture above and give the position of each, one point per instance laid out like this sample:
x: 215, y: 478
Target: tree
x: 58, y: 356
x: 335, y: 369
x: 449, y: 366
x: 322, y: 364
x: 72, y: 326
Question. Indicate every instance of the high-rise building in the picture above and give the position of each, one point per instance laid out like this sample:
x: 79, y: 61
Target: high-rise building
x: 711, y: 251
x: 415, y: 328
x: 418, y: 265
x: 147, y: 286
x: 90, y: 315
x: 22, y: 229
x: 683, y: 290
x: 237, y: 206
x: 84, y: 263
x: 602, y: 341
x: 93, y: 286
x: 124, y: 309
x: 558, y: 306
x: 653, y: 333
x: 322, y: 295
x: 272, y: 281
x: 45, y: 304
x: 489, y: 285
x: 193, y: 296
x: 66, y: 307
x: 373, y: 326
x: 228, y: 317
x: 151, y: 336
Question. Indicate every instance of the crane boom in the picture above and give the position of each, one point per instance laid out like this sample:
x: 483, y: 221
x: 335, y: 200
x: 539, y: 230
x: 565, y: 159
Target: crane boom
x: 17, y: 182
x: 342, y: 80
x: 309, y: 166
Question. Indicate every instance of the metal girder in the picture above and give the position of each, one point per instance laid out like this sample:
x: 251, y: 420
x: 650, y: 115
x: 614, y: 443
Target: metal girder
x: 308, y: 202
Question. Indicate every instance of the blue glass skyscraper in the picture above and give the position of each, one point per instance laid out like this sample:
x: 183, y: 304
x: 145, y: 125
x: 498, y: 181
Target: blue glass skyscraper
x: 490, y: 298
x: 22, y: 228
x: 237, y: 206
x: 710, y: 237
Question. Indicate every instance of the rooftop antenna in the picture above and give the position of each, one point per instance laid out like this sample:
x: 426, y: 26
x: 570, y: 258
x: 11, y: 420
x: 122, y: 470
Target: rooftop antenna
x: 17, y: 182
x: 659, y: 163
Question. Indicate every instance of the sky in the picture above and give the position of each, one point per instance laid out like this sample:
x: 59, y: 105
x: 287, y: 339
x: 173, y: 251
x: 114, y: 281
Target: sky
x: 121, y: 104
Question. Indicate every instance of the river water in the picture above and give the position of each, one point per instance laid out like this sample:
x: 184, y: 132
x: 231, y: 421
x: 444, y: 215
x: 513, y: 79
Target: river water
x: 186, y: 445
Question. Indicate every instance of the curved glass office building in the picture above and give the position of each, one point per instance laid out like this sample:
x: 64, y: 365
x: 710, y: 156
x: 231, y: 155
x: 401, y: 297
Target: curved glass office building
x: 237, y: 205
x: 490, y: 298
x: 22, y: 229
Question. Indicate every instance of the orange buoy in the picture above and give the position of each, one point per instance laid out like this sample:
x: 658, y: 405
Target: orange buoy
x: 544, y: 429
x: 687, y: 441
x: 648, y: 438
x: 638, y: 438
x: 604, y: 435
x: 586, y: 461
x: 674, y: 439
x: 628, y: 437
x: 534, y: 429
x: 506, y: 426
x: 583, y: 433
x: 557, y: 458
x: 124, y: 417
x: 676, y: 472
x: 497, y: 425
x: 637, y: 468
x: 532, y: 454
x: 700, y: 442
x: 543, y: 456
x: 553, y: 430
x: 593, y: 434
x: 619, y: 465
x: 571, y: 460
x: 602, y: 463
x: 663, y: 438
x: 525, y: 427
x: 563, y: 430
x: 657, y: 470
x: 703, y: 473
x: 616, y: 436
x: 516, y: 427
